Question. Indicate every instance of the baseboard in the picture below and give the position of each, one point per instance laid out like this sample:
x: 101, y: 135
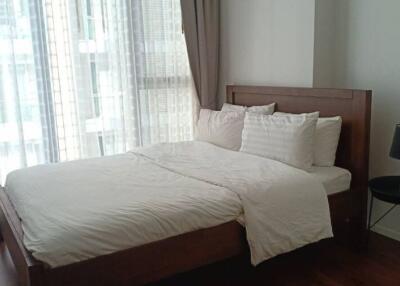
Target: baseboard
x: 387, y: 232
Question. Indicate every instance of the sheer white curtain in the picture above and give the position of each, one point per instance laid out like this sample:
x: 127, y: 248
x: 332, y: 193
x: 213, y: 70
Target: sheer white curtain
x: 84, y: 78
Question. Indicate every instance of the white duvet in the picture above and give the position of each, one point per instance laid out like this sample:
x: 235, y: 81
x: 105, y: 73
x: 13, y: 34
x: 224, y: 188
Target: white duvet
x: 79, y: 210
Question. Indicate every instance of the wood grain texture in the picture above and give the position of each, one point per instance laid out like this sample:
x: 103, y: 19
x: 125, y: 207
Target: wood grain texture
x: 324, y: 264
x: 154, y: 261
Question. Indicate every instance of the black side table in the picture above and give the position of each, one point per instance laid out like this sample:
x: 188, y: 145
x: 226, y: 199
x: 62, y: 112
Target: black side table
x: 386, y: 189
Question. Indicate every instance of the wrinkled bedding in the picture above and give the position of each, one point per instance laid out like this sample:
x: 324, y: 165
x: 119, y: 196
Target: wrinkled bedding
x: 78, y: 210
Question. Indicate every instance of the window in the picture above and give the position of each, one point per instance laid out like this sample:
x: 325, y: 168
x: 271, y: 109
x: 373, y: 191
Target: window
x: 101, y: 144
x: 90, y: 21
x: 93, y: 74
x: 93, y: 78
x: 2, y: 101
x: 3, y: 13
x: 89, y: 11
x: 90, y: 78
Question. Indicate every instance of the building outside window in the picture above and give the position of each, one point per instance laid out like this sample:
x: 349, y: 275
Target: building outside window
x: 89, y: 78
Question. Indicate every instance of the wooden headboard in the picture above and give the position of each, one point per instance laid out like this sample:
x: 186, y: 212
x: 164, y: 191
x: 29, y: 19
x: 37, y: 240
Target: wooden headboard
x: 354, y: 106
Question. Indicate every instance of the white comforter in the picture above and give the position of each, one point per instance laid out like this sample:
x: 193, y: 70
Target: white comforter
x: 79, y: 210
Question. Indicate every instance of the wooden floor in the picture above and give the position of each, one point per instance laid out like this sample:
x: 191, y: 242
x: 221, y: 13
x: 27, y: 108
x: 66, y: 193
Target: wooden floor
x: 325, y: 263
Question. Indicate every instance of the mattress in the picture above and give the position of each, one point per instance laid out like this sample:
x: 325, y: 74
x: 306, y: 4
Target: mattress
x: 78, y: 210
x: 334, y: 179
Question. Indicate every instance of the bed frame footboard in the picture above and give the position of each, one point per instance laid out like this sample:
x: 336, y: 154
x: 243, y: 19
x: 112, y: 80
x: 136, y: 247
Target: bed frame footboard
x: 30, y: 271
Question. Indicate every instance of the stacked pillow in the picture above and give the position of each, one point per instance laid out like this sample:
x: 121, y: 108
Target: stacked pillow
x: 327, y: 135
x: 288, y: 139
x: 224, y: 128
x: 299, y: 140
x: 263, y: 109
x: 220, y: 128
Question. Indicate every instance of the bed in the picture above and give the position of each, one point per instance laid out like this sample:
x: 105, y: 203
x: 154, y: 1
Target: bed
x: 137, y: 265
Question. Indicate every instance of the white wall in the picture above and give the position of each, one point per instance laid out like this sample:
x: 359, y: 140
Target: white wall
x: 266, y: 42
x: 367, y: 56
x: 324, y: 43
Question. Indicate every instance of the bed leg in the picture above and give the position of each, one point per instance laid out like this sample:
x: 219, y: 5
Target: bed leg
x: 357, y: 235
x: 36, y: 276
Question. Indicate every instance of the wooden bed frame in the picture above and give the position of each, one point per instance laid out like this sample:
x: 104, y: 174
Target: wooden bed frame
x: 160, y: 259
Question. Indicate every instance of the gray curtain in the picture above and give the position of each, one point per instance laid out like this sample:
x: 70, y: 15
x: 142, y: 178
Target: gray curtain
x: 200, y: 20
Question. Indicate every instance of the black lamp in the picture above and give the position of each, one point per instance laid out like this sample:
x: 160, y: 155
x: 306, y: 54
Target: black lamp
x: 395, y: 150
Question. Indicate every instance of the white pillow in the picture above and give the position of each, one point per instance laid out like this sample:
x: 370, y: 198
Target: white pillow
x: 223, y: 129
x: 263, y: 109
x: 287, y: 139
x: 327, y: 137
x: 309, y: 115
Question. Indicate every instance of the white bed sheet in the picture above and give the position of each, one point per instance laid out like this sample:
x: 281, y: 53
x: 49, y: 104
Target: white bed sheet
x: 79, y: 210
x: 334, y: 179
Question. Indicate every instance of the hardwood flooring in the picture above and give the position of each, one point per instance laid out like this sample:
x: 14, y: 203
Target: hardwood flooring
x: 325, y: 263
